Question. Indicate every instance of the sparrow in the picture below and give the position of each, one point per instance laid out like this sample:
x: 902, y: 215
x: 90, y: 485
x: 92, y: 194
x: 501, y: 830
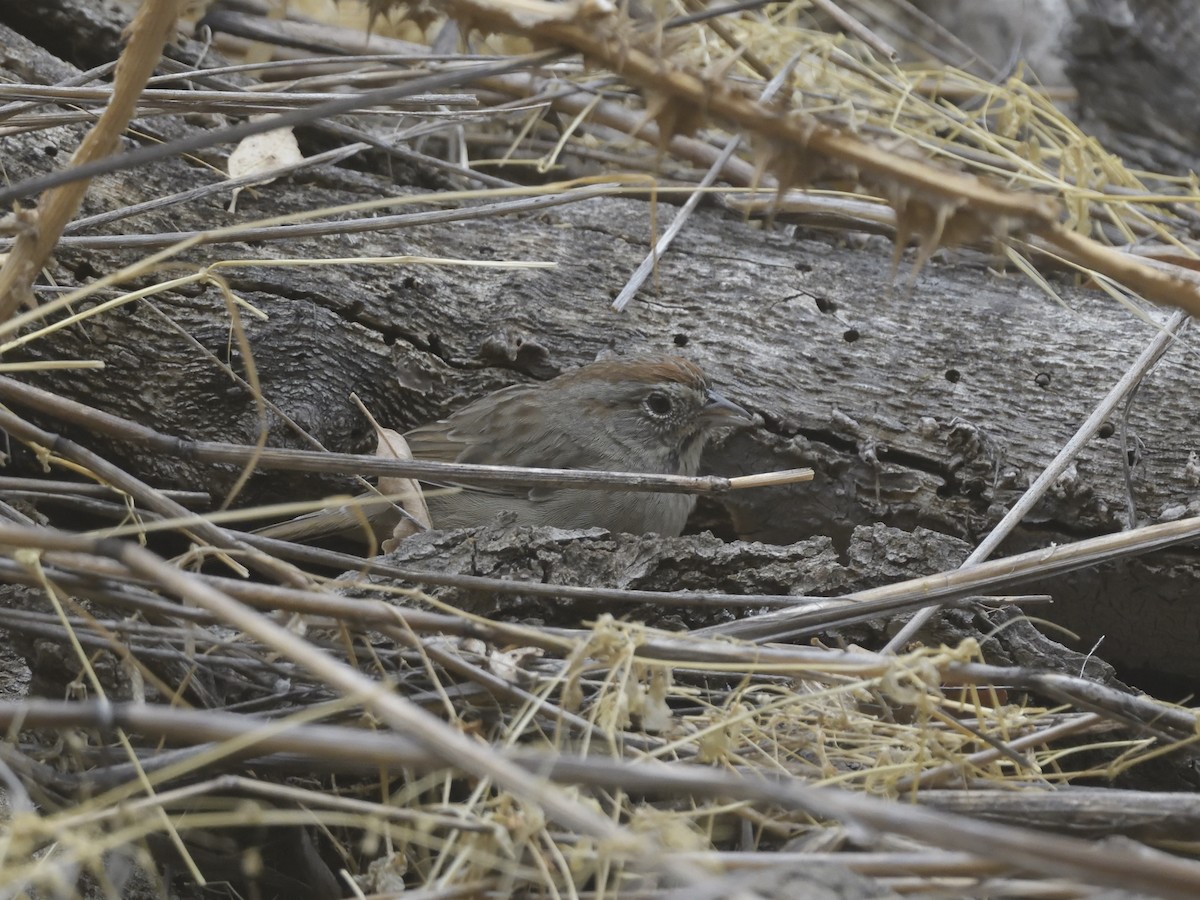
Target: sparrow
x: 644, y: 414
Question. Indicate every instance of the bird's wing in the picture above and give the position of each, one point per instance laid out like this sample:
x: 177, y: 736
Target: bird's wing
x: 493, y: 431
x: 497, y: 434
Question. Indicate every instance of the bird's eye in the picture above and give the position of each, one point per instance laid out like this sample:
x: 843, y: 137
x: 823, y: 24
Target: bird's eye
x: 657, y: 404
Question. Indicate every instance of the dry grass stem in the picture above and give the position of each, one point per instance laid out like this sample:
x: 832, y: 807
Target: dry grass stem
x: 151, y: 29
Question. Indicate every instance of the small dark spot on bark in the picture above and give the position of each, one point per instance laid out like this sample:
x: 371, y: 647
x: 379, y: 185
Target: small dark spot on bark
x: 1106, y: 430
x: 825, y: 305
x: 681, y: 340
x: 1042, y: 379
x: 803, y: 267
x: 84, y: 271
x: 409, y: 282
x: 50, y: 150
x: 953, y: 376
x: 850, y: 335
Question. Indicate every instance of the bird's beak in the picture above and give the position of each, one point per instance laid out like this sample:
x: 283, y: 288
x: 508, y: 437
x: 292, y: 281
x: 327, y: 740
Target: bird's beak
x: 719, y: 411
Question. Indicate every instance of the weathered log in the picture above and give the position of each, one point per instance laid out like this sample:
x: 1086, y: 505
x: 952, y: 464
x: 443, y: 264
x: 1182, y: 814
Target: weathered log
x: 926, y: 403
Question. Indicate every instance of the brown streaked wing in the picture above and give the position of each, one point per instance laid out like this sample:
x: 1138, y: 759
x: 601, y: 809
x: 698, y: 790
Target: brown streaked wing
x: 479, y: 434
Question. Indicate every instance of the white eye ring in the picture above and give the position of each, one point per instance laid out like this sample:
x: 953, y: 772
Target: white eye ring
x: 657, y: 404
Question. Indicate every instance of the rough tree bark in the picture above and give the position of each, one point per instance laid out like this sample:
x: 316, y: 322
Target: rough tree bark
x: 927, y: 403
x: 1130, y: 61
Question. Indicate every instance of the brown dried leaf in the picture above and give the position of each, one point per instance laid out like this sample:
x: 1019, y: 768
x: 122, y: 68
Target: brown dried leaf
x: 393, y: 446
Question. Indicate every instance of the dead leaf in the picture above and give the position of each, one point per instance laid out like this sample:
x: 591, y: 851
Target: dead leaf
x: 393, y: 446
x: 262, y: 153
x: 509, y: 664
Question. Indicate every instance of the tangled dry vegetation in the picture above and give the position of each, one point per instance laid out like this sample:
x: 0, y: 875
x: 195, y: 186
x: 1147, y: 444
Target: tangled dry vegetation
x: 235, y: 715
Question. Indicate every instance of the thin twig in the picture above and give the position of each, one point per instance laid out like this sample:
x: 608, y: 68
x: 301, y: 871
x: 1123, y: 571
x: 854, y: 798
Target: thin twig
x: 147, y: 496
x: 202, y: 139
x: 855, y: 28
x: 330, y: 157
x: 647, y: 265
x: 956, y: 769
x: 988, y: 577
x: 363, y: 464
x: 100, y: 71
x: 243, y: 234
x: 151, y: 28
